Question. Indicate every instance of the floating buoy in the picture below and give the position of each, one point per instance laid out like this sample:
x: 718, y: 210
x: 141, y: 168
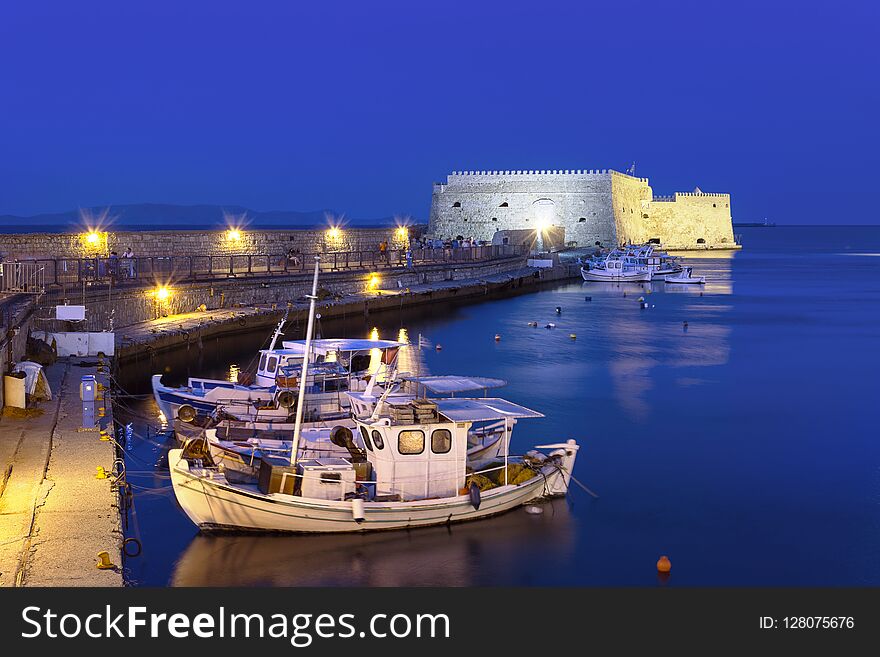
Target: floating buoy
x: 684, y: 326
x: 439, y: 347
x: 104, y: 562
x: 497, y: 337
x: 533, y: 323
x: 558, y: 310
x: 550, y: 325
x: 664, y: 565
x: 588, y: 298
x: 572, y: 336
x: 534, y: 510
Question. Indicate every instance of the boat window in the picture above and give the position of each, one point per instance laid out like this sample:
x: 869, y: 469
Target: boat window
x: 366, y: 435
x: 411, y: 441
x: 262, y: 362
x: 441, y: 441
x: 377, y: 440
x: 273, y: 361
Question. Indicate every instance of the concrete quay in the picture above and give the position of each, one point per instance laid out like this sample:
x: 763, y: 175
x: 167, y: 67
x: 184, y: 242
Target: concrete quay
x: 186, y: 330
x: 55, y: 515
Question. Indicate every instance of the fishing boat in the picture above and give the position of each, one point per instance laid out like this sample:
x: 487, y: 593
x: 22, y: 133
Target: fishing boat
x: 240, y: 445
x: 645, y: 256
x: 414, y: 472
x: 336, y: 366
x: 686, y: 275
x: 614, y: 268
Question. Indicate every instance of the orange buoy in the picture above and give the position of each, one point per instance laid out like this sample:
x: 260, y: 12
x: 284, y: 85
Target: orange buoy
x: 664, y: 565
x: 497, y: 337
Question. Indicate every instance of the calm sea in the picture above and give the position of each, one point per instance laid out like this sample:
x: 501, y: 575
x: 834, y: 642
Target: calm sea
x: 744, y: 447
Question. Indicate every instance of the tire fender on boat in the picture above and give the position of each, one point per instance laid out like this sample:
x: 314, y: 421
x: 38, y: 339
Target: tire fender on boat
x: 474, y: 493
x: 186, y: 413
x: 357, y: 510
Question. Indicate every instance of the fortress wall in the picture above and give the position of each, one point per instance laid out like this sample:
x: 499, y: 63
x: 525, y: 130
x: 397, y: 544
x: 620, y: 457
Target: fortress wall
x: 691, y: 217
x: 471, y: 204
x: 195, y: 242
x: 631, y: 200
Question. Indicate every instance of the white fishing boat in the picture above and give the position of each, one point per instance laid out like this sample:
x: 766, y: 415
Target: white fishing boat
x: 239, y: 445
x: 686, y: 275
x: 615, y: 269
x: 415, y: 472
x: 645, y: 256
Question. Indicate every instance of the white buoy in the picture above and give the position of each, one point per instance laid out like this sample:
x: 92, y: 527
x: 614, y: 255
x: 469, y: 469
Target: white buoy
x: 534, y: 510
x: 550, y: 325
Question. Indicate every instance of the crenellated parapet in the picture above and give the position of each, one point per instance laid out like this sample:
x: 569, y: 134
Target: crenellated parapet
x: 537, y: 172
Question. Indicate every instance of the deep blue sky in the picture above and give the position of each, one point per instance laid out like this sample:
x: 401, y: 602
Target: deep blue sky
x: 359, y: 106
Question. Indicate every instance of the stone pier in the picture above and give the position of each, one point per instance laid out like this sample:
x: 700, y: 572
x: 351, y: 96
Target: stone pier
x: 55, y: 514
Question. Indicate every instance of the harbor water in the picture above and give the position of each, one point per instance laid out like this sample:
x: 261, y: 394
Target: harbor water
x: 729, y: 426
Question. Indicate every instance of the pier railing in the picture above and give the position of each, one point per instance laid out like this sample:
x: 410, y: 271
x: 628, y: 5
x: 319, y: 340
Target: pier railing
x: 67, y: 272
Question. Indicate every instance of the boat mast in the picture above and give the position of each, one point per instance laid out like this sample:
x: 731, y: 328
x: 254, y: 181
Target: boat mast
x: 278, y: 329
x: 313, y: 297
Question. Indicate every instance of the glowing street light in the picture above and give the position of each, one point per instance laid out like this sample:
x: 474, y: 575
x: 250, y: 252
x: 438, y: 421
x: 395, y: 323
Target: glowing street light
x: 93, y: 238
x: 373, y: 281
x: 233, y: 234
x: 334, y: 233
x: 162, y: 293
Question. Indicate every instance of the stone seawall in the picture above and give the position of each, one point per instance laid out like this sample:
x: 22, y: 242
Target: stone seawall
x: 187, y: 331
x: 200, y: 242
x: 120, y: 307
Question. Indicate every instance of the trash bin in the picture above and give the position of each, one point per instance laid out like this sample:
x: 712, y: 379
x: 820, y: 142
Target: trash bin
x: 13, y: 390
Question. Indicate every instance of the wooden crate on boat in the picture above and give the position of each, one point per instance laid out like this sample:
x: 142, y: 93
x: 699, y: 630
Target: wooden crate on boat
x: 272, y: 476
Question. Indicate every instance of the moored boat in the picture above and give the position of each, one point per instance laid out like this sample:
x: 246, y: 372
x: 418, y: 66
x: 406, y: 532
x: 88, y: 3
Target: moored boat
x: 686, y: 275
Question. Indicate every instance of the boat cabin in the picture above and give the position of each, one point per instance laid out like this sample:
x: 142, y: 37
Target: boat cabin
x: 418, y: 449
x: 357, y: 357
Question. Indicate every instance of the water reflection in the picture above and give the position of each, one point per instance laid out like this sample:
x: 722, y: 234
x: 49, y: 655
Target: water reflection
x: 501, y: 550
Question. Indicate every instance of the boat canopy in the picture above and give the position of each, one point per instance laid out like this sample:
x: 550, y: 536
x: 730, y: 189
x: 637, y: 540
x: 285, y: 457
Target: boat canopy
x: 449, y: 384
x: 482, y: 410
x: 326, y: 346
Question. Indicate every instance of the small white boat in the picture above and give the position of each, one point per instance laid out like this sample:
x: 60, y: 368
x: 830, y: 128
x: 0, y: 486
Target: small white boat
x: 614, y: 269
x: 685, y: 276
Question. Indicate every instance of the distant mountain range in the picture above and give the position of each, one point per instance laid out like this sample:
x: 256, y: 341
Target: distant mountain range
x: 147, y: 216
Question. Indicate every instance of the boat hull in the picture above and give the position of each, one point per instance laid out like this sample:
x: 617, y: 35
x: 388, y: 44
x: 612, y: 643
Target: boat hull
x: 604, y: 276
x: 214, y: 504
x: 692, y: 280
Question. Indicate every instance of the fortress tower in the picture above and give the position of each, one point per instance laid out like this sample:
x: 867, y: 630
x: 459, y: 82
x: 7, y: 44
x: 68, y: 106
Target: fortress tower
x: 589, y: 206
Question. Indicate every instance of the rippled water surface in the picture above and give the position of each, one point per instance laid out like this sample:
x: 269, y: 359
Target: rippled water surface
x: 743, y: 445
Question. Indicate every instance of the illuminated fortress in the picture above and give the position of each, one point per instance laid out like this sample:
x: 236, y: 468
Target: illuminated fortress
x: 579, y: 207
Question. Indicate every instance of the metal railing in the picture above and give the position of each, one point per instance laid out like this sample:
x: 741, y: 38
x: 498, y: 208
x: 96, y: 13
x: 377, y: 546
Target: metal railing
x: 66, y: 272
x: 22, y: 278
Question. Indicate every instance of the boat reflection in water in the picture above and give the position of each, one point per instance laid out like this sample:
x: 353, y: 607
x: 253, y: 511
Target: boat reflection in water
x: 505, y: 550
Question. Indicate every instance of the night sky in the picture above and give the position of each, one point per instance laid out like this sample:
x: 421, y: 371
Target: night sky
x: 360, y: 106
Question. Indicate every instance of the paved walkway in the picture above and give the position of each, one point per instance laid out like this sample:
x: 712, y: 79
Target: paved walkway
x: 55, y: 516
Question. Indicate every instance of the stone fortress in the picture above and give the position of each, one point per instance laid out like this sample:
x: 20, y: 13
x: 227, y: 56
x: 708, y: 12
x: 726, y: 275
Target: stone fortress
x: 577, y: 208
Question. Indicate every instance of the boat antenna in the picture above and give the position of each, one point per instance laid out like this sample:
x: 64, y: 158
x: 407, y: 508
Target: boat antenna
x: 278, y: 328
x: 313, y: 297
